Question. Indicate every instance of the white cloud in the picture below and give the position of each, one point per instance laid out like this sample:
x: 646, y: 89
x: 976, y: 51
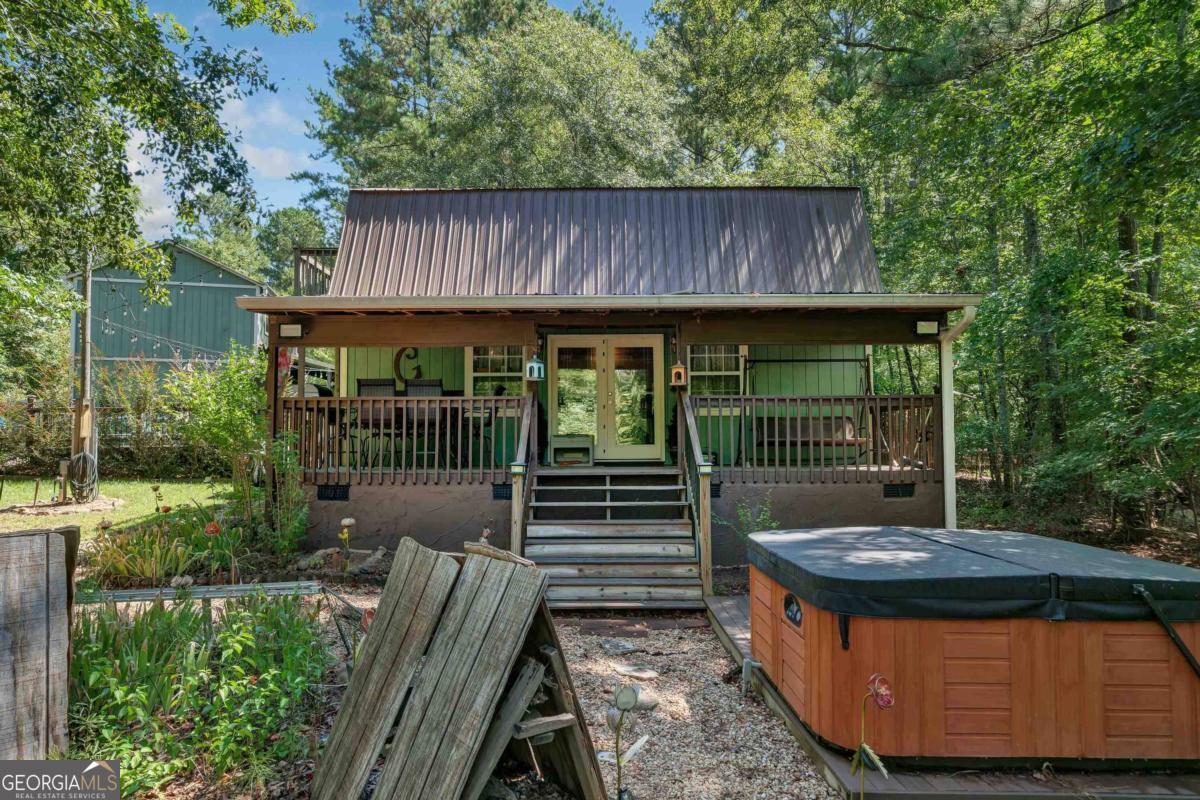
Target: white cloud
x: 158, y: 213
x: 259, y: 116
x: 274, y: 162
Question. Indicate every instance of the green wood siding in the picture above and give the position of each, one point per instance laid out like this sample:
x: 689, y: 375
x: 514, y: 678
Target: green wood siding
x: 376, y: 362
x: 806, y: 370
x: 199, y: 322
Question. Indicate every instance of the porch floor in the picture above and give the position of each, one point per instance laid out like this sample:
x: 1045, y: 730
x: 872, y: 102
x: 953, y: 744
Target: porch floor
x: 730, y: 618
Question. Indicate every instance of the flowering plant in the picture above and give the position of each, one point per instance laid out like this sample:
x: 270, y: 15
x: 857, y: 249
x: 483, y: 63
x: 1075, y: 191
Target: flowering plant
x: 880, y: 692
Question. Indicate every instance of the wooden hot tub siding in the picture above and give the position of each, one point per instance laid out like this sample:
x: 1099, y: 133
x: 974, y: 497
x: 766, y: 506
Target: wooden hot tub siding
x: 1005, y: 688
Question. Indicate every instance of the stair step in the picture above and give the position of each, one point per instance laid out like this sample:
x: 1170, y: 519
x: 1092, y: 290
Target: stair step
x: 627, y: 571
x: 651, y: 523
x: 609, y: 528
x: 628, y: 605
x: 627, y: 592
x: 605, y: 503
x: 609, y: 548
x: 616, y: 487
x: 554, y: 472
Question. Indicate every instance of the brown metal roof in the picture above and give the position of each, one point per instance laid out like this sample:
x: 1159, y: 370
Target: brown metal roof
x: 617, y: 242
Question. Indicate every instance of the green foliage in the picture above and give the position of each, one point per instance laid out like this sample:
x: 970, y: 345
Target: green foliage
x: 222, y: 407
x: 289, y: 505
x: 752, y: 515
x: 166, y: 693
x: 83, y: 83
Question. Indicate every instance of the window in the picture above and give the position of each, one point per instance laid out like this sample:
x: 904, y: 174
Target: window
x: 716, y: 369
x: 495, y: 371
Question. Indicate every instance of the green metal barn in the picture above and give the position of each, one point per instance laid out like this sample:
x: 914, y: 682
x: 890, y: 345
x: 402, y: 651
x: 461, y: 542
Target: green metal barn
x: 198, y: 324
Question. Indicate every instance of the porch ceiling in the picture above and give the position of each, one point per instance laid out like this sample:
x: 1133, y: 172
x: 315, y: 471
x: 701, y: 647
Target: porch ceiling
x: 359, y: 306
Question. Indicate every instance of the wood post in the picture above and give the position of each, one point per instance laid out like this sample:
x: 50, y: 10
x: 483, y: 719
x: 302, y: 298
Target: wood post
x: 946, y: 363
x: 516, y: 534
x: 704, y: 526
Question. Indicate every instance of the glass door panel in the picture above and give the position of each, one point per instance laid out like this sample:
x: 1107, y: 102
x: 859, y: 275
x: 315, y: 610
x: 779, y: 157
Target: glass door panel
x: 633, y: 395
x: 577, y: 391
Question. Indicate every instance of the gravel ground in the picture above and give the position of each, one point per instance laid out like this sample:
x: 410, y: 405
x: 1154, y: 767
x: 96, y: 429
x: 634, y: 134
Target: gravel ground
x: 707, y: 742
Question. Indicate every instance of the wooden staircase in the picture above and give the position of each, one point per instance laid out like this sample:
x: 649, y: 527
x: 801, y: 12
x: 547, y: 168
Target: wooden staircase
x: 614, y: 537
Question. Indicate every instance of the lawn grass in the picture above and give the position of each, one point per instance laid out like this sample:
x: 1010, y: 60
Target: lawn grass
x: 138, y: 505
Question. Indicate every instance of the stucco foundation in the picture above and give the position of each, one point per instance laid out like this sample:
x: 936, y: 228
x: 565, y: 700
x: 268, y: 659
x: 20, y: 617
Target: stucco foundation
x: 440, y: 517
x: 821, y: 506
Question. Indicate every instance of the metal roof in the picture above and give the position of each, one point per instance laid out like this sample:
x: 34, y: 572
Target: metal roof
x: 642, y: 242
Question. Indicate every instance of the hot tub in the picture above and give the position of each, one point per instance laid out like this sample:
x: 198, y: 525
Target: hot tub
x: 997, y: 645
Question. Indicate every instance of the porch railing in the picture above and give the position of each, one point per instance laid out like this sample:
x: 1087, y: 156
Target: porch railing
x: 848, y: 439
x: 697, y: 474
x: 404, y: 440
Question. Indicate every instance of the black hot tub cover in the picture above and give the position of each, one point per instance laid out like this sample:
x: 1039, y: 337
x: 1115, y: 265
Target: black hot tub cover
x: 945, y: 574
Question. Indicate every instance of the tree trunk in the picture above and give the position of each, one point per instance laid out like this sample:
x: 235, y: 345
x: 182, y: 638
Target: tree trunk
x: 1127, y: 252
x: 1003, y: 423
x: 1052, y: 402
x: 913, y: 383
x: 1154, y: 271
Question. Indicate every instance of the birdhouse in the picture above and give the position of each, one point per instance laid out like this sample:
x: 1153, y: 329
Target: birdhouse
x: 679, y: 375
x: 535, y: 369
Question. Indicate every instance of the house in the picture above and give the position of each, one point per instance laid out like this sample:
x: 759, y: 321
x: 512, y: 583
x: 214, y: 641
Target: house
x: 598, y: 376
x: 197, y: 324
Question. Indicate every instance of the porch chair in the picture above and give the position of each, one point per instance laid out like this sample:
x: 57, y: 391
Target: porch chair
x: 373, y: 426
x: 423, y: 420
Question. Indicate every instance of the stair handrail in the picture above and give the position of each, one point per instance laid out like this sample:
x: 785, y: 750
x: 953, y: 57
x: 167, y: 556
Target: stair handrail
x: 523, y: 465
x: 699, y: 486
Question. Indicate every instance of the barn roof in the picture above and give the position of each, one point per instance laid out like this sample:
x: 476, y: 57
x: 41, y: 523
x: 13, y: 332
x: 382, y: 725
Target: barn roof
x: 643, y: 242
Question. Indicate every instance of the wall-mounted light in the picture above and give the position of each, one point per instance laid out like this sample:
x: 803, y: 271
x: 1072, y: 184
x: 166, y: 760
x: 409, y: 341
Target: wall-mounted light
x: 535, y: 369
x: 928, y: 327
x: 678, y: 375
x: 291, y: 330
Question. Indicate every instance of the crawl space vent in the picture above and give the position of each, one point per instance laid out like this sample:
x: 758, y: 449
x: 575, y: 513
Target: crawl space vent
x: 899, y: 489
x: 333, y: 491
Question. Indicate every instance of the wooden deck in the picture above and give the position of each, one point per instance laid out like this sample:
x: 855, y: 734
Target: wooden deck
x: 730, y: 617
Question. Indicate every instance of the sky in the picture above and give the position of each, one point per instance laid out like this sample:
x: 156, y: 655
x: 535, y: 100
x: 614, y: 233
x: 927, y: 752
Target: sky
x: 272, y: 125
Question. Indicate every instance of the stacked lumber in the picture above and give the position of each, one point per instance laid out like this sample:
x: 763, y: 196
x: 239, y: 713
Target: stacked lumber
x: 461, y: 664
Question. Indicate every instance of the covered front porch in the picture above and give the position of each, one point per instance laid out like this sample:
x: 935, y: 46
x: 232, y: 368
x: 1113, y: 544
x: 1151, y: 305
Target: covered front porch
x: 622, y: 465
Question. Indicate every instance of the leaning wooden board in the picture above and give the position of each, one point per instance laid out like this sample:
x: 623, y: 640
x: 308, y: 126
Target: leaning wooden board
x: 441, y: 663
x: 34, y: 625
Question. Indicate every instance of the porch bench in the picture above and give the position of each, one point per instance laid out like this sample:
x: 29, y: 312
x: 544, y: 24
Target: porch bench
x: 778, y: 432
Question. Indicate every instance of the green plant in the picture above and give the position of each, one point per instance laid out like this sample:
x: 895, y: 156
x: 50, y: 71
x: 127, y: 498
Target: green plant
x: 166, y: 692
x: 221, y: 407
x: 146, y: 552
x: 879, y: 691
x: 289, y: 505
x: 751, y: 516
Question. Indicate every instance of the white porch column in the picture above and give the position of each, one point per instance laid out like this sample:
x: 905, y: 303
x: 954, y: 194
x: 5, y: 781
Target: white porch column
x: 949, y: 487
x: 946, y: 368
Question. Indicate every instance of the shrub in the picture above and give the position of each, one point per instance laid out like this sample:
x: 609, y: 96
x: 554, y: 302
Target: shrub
x: 222, y: 408
x: 167, y: 693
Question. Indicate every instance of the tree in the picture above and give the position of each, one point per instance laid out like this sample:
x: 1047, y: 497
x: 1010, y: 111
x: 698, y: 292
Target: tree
x: 82, y: 84
x: 279, y: 233
x: 378, y: 120
x: 552, y: 102
x: 226, y: 232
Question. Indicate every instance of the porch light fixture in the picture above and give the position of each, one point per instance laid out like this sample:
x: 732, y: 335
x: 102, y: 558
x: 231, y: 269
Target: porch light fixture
x: 535, y: 369
x: 928, y: 327
x: 678, y: 375
x: 291, y: 330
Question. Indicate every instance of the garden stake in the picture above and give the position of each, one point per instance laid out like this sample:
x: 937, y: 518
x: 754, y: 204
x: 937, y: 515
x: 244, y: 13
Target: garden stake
x: 879, y: 690
x: 37, y: 485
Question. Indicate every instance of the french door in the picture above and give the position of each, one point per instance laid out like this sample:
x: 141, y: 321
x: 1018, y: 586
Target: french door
x: 609, y: 388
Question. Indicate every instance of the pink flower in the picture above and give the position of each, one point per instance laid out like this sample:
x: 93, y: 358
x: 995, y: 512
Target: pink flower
x: 367, y: 617
x: 212, y: 529
x: 881, y: 691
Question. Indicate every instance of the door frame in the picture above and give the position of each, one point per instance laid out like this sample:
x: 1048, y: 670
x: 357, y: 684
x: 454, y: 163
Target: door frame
x: 606, y: 448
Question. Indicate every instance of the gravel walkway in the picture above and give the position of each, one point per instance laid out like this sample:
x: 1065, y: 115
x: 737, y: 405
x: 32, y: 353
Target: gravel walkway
x: 707, y: 742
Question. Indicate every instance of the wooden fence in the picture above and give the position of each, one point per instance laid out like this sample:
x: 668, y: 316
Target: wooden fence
x: 404, y: 440
x: 849, y: 439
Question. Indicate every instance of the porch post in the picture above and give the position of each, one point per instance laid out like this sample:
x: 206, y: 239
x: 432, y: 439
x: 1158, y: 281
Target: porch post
x: 946, y: 363
x: 272, y: 387
x: 949, y: 488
